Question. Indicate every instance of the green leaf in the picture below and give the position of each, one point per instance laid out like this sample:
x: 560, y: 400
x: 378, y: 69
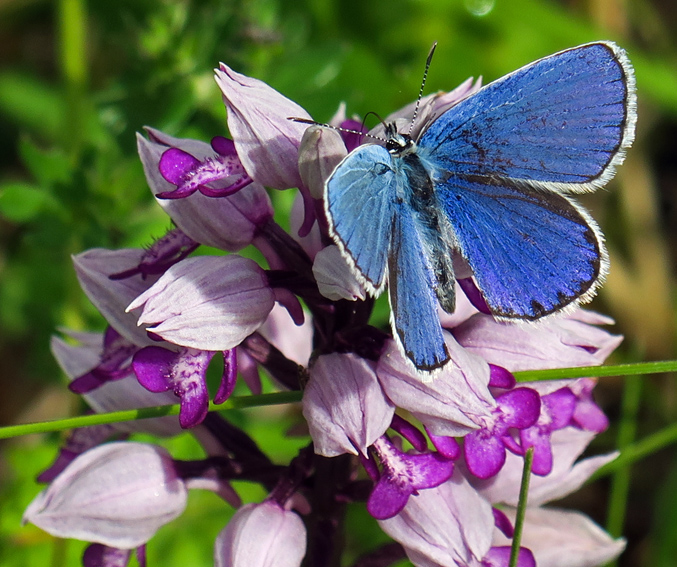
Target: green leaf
x: 47, y: 165
x: 22, y: 202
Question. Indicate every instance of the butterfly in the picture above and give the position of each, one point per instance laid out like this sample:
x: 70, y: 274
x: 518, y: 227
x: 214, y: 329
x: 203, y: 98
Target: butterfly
x: 490, y: 178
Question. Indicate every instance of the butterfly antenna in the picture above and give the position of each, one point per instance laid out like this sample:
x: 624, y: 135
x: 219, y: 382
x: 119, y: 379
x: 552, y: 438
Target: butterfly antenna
x: 420, y: 92
x: 337, y: 128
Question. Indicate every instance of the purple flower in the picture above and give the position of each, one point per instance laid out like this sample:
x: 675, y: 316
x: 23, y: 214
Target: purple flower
x: 403, y: 475
x: 261, y: 535
x: 185, y: 373
x: 117, y: 494
x: 207, y: 302
x: 344, y: 405
x: 229, y: 223
x: 191, y: 174
x: 485, y: 448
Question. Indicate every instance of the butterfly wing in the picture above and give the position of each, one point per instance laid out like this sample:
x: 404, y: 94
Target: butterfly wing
x: 531, y: 253
x: 562, y: 122
x: 359, y: 202
x: 411, y: 284
x: 501, y: 160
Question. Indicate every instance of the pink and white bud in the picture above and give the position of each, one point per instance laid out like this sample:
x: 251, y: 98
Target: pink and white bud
x: 261, y: 535
x: 118, y: 494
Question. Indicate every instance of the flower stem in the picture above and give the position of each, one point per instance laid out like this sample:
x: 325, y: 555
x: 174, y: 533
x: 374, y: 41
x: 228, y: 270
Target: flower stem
x: 521, y: 507
x: 234, y: 402
x: 638, y: 368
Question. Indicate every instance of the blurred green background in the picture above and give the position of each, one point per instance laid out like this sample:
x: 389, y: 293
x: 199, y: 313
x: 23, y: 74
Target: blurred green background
x: 78, y: 79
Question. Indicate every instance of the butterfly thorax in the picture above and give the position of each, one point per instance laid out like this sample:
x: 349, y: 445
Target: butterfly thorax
x: 418, y: 192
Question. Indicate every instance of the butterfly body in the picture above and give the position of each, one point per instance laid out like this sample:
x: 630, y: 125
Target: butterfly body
x: 490, y: 179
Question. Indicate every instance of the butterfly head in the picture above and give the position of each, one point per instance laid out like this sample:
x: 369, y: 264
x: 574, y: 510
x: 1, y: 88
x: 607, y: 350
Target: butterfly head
x: 398, y: 144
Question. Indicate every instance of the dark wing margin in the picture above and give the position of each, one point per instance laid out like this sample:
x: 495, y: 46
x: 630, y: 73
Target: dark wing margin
x: 532, y: 252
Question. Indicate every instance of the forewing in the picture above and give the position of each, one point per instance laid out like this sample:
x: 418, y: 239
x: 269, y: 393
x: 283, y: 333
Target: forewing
x: 563, y: 121
x: 359, y: 202
x: 411, y: 283
x: 531, y: 252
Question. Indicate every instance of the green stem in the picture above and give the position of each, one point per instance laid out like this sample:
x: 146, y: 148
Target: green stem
x: 236, y: 402
x: 521, y: 507
x: 638, y: 450
x: 289, y: 397
x: 620, y: 484
x: 636, y: 369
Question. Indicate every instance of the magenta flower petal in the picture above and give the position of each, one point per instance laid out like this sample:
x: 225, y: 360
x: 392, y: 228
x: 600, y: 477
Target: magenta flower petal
x: 116, y: 494
x: 404, y: 474
x: 184, y: 372
x: 228, y: 378
x: 208, y: 302
x: 500, y: 557
x: 501, y: 378
x: 539, y: 440
x: 448, y: 447
x: 175, y: 164
x: 266, y: 140
x: 484, y: 453
x: 520, y: 407
x: 264, y: 535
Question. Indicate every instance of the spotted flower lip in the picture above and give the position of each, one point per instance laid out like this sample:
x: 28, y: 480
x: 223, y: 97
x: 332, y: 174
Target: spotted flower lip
x: 403, y: 475
x: 279, y: 534
x: 190, y: 174
x: 185, y: 373
x: 207, y: 303
x: 229, y: 223
x: 117, y: 494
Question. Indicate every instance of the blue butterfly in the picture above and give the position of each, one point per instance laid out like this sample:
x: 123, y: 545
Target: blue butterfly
x: 489, y: 178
